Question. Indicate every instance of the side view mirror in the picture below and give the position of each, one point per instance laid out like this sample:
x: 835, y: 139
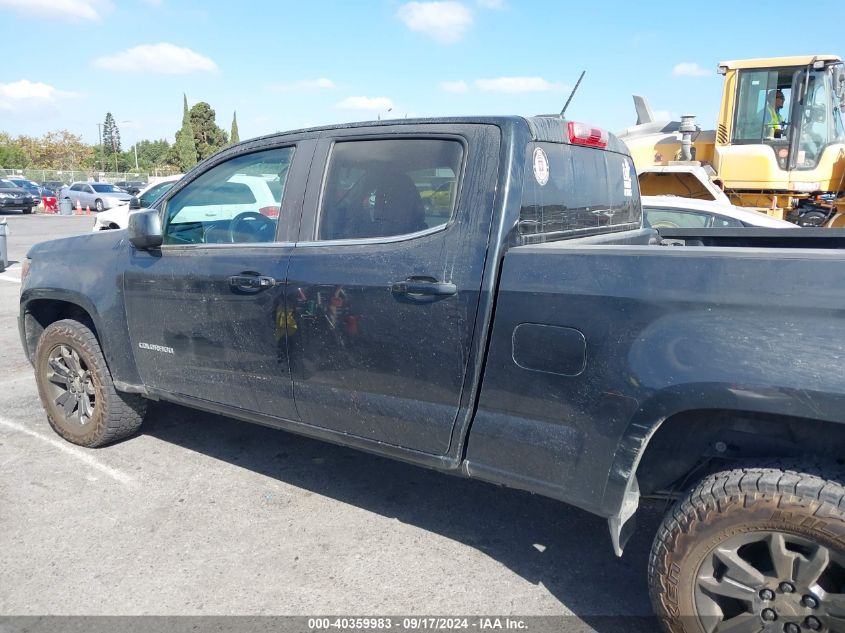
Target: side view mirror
x: 134, y: 203
x: 145, y: 229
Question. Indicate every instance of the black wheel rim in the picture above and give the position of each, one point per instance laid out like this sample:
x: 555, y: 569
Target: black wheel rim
x: 70, y: 386
x: 771, y: 581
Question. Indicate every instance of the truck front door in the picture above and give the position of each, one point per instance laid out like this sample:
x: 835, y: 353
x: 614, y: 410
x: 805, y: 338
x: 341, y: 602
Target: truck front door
x: 207, y: 311
x: 383, y: 286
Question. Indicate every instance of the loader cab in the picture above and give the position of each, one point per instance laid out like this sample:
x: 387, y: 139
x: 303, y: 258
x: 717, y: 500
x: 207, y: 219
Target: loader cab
x: 794, y: 109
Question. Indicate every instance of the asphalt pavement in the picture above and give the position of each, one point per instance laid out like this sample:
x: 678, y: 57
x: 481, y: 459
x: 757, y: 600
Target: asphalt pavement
x: 204, y: 515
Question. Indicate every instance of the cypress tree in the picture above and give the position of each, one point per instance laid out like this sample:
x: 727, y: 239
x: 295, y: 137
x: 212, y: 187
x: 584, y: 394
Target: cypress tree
x: 234, y: 137
x: 186, y: 147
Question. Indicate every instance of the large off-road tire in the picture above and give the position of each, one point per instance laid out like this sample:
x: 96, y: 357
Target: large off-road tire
x: 753, y: 549
x: 77, y: 391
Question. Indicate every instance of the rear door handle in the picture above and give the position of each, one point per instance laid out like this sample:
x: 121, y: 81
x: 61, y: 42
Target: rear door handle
x: 251, y: 283
x: 423, y: 286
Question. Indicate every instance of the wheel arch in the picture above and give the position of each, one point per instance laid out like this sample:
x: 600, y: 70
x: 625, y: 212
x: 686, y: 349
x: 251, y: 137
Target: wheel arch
x: 39, y: 308
x: 674, y: 431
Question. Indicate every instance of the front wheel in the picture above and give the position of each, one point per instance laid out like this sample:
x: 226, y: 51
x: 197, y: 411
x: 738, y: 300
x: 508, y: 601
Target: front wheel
x: 27, y: 210
x: 98, y: 205
x: 76, y: 388
x: 753, y: 550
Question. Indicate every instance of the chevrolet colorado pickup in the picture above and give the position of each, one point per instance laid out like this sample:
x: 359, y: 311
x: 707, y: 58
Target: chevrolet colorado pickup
x: 479, y: 295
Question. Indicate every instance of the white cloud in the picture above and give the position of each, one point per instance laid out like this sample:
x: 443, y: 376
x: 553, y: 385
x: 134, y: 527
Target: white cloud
x: 304, y: 85
x: 164, y: 58
x: 25, y: 95
x: 375, y: 104
x: 496, y: 5
x: 517, y: 84
x: 73, y: 10
x: 444, y: 21
x: 458, y: 87
x: 689, y: 69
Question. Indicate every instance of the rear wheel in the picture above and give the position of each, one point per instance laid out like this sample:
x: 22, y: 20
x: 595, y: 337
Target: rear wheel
x: 751, y: 550
x: 77, y: 391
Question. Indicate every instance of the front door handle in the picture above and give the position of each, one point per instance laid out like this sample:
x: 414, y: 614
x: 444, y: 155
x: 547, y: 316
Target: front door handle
x: 251, y: 283
x: 426, y: 286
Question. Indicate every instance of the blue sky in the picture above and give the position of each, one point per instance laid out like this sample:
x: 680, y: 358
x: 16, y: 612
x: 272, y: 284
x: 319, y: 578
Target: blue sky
x: 288, y: 64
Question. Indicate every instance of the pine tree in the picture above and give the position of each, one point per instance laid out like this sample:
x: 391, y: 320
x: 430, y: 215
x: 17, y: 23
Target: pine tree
x: 111, y: 140
x: 234, y: 137
x: 186, y: 148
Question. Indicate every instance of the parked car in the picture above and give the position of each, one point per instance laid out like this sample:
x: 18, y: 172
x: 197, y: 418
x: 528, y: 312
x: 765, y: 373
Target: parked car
x: 53, y: 185
x: 15, y: 198
x: 117, y: 218
x: 536, y: 336
x: 132, y: 187
x: 241, y: 193
x: 146, y: 197
x: 98, y: 196
x: 25, y: 183
x: 686, y: 213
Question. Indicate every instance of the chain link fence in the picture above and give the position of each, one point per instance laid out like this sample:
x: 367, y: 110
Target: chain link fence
x: 69, y: 176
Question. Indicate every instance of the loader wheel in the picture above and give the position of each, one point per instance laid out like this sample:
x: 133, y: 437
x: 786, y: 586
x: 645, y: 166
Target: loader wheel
x: 753, y: 550
x: 76, y: 388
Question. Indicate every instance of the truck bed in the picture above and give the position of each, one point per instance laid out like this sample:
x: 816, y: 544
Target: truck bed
x: 613, y: 333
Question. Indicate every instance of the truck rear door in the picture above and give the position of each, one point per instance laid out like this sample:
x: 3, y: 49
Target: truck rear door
x: 384, y: 281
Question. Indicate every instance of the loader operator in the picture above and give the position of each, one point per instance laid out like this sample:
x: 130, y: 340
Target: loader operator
x: 773, y: 121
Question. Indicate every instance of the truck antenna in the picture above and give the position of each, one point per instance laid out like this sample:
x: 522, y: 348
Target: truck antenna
x: 572, y: 94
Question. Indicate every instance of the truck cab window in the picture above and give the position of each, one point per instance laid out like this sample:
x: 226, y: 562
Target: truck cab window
x: 587, y: 191
x: 385, y: 188
x: 237, y: 201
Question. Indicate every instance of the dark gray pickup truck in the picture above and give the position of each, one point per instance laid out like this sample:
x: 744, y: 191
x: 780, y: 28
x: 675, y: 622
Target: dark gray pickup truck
x: 479, y: 295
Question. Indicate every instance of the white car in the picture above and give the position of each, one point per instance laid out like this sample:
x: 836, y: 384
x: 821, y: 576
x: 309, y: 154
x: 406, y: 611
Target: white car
x: 118, y: 218
x: 674, y: 212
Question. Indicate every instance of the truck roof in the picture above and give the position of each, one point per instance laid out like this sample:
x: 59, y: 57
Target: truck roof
x: 544, y: 128
x: 777, y: 62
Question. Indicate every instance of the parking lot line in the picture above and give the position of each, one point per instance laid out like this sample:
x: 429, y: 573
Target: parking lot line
x: 77, y: 453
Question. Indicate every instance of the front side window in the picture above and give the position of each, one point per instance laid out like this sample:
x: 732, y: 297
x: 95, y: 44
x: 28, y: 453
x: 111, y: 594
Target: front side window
x: 234, y: 202
x: 384, y: 188
x: 572, y: 190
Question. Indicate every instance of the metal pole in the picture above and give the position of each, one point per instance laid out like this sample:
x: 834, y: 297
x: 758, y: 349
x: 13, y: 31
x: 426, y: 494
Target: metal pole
x: 135, y: 146
x: 100, y: 141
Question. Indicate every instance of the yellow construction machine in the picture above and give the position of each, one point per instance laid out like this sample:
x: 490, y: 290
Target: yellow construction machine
x: 779, y: 145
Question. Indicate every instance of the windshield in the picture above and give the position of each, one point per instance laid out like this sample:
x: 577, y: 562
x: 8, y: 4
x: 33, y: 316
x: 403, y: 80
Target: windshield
x: 102, y: 188
x: 7, y: 183
x: 762, y: 110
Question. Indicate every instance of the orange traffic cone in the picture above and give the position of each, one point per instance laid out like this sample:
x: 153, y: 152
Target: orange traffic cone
x: 78, y: 207
x: 87, y: 210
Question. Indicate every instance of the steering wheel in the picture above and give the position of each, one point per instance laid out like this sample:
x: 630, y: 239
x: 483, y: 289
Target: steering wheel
x: 249, y: 224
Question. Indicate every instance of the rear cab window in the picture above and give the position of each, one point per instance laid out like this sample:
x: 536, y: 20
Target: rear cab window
x: 389, y: 187
x: 573, y: 191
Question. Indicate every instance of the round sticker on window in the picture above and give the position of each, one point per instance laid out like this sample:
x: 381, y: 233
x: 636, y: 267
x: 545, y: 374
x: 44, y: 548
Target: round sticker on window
x: 541, y: 166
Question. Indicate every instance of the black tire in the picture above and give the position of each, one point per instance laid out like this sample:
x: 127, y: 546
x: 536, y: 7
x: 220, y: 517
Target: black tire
x: 77, y: 391
x: 716, y: 558
x: 98, y: 205
x: 27, y: 211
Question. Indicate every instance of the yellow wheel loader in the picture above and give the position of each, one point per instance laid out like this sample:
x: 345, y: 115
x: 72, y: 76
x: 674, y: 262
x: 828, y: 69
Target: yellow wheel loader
x: 779, y: 145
